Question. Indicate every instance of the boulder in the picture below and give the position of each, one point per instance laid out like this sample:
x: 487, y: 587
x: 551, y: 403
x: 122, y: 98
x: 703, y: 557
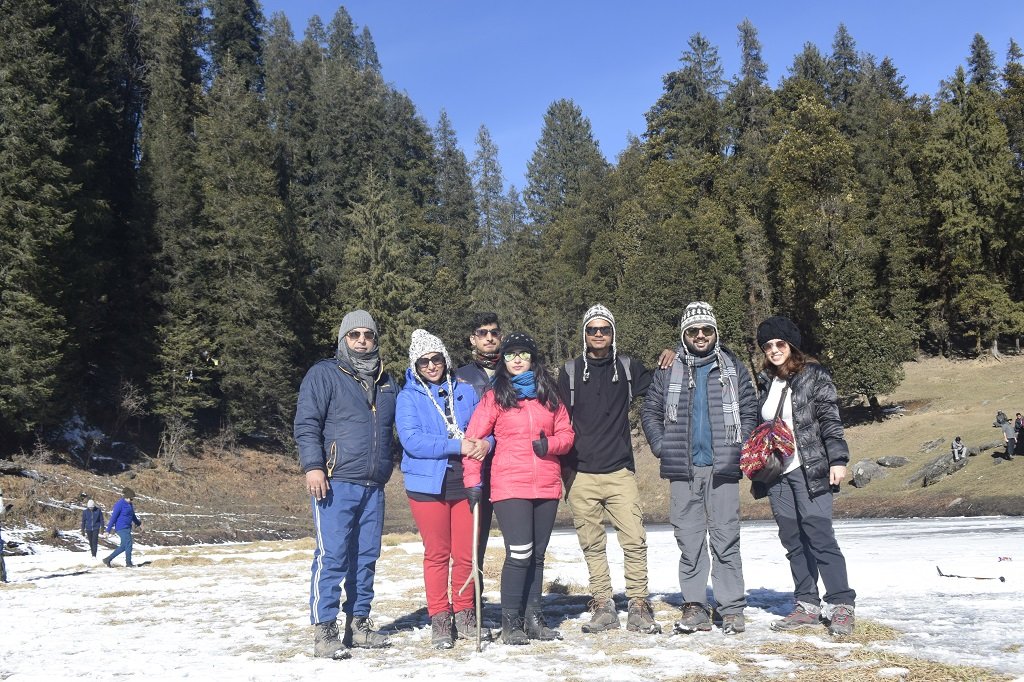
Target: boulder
x: 892, y: 461
x: 932, y: 444
x: 864, y: 472
x: 936, y: 470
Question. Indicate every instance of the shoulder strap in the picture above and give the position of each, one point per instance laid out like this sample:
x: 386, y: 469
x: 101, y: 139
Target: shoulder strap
x: 570, y: 371
x: 629, y: 375
x: 782, y: 400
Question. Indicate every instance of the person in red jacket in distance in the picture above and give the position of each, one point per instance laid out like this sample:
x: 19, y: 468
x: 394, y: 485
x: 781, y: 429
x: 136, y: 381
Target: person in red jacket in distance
x: 532, y: 431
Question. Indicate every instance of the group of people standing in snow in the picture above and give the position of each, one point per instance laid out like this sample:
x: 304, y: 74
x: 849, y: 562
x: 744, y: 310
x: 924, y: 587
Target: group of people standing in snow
x: 502, y: 437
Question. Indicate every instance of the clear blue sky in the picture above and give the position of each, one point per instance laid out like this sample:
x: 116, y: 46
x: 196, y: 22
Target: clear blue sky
x: 502, y: 62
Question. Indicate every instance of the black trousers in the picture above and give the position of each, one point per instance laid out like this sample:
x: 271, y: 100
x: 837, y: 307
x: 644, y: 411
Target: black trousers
x: 94, y: 540
x: 526, y: 526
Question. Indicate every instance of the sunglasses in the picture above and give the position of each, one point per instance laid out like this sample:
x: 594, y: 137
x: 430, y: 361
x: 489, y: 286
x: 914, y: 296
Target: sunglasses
x: 437, y: 360
x: 484, y: 333
x: 781, y: 345
x: 517, y: 355
x: 692, y: 332
x: 603, y: 331
x: 369, y: 335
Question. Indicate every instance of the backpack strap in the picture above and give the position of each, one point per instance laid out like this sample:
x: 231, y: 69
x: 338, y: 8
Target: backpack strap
x: 570, y: 370
x: 629, y: 375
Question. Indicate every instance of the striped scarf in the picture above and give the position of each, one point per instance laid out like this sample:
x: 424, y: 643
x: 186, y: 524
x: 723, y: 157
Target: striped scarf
x: 728, y: 377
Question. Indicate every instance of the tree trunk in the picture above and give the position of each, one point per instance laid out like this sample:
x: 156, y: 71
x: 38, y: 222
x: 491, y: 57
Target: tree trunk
x: 995, y: 348
x: 876, y: 408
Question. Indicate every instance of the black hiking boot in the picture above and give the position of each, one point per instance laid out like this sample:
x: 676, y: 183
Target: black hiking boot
x: 326, y: 643
x: 536, y: 628
x: 513, y: 628
x: 603, y: 616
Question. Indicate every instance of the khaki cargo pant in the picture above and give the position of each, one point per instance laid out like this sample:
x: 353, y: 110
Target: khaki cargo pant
x: 591, y: 497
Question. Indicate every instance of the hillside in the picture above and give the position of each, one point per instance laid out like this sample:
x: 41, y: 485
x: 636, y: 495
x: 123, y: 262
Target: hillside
x: 253, y: 495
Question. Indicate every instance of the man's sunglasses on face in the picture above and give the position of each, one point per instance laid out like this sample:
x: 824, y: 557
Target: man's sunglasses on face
x: 692, y: 332
x: 603, y: 331
x: 483, y: 333
x: 369, y: 335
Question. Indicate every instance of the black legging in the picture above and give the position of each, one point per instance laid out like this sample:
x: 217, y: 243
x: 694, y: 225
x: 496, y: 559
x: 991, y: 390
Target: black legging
x: 526, y: 526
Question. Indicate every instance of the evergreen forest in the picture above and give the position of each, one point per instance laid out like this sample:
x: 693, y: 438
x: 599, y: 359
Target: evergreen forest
x: 192, y: 196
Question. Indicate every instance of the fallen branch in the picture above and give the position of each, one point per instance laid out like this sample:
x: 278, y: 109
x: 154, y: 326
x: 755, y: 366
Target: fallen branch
x: 969, y: 577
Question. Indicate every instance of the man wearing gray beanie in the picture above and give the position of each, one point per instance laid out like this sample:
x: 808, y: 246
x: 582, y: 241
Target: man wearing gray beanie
x: 344, y: 422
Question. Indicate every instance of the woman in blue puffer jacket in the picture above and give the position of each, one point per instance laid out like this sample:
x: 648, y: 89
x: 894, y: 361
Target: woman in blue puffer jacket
x: 432, y: 413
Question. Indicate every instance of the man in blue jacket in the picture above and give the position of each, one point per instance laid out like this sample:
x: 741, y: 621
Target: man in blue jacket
x: 122, y: 516
x: 343, y: 429
x: 92, y: 524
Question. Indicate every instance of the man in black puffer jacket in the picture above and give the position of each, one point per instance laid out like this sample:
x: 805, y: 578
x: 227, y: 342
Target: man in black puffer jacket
x: 696, y: 416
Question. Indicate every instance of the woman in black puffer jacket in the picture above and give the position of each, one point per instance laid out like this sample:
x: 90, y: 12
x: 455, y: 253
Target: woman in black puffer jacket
x: 801, y: 499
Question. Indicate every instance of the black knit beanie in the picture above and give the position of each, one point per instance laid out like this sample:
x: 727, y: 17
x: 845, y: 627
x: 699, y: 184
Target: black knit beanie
x: 520, y: 340
x: 778, y: 328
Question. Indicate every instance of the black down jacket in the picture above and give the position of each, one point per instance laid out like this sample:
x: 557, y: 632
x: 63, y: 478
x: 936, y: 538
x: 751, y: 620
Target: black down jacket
x: 818, y: 429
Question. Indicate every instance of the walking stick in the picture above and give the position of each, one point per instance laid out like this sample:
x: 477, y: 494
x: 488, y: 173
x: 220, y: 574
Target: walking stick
x: 475, y: 576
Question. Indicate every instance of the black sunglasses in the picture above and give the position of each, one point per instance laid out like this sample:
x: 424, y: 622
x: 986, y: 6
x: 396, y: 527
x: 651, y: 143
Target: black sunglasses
x: 603, y: 331
x: 369, y: 335
x: 692, y: 332
x: 437, y: 359
x: 483, y: 333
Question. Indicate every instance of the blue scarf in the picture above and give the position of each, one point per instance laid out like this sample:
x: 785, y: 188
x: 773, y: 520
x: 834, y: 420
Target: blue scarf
x: 525, y: 385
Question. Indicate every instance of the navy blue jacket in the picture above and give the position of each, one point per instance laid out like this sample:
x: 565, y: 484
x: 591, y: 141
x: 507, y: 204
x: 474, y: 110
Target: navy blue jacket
x: 338, y: 430
x: 423, y: 432
x: 92, y: 519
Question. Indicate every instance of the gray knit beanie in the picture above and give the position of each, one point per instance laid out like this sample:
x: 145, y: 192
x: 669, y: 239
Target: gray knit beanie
x: 355, y: 320
x: 600, y: 312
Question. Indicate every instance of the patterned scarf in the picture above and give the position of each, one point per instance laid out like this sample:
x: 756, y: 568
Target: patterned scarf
x: 486, y: 360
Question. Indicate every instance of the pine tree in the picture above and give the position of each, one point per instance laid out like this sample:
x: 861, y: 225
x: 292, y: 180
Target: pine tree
x: 35, y: 219
x: 843, y: 68
x: 982, y: 65
x: 244, y: 257
x: 236, y: 30
x: 488, y: 186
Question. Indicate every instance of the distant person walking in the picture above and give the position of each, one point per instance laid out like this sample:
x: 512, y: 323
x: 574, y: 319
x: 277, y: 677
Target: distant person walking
x: 532, y: 431
x: 432, y: 414
x: 958, y: 449
x: 599, y: 386
x: 344, y: 423
x: 1018, y: 428
x: 695, y: 416
x: 801, y: 499
x: 3, y: 511
x: 122, y: 518
x: 92, y: 524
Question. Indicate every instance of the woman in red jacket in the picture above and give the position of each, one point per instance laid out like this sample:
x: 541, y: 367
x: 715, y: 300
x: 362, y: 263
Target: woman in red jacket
x: 532, y: 430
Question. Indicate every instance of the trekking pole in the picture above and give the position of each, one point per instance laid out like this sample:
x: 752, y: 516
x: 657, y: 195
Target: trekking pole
x: 970, y: 577
x: 475, y: 575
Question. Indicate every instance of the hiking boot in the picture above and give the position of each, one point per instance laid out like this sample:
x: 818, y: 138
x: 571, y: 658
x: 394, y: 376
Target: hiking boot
x: 603, y: 616
x: 641, y: 618
x: 805, y: 615
x: 695, y: 619
x: 106, y: 562
x: 841, y: 622
x: 326, y: 643
x: 441, y: 630
x: 465, y: 626
x: 536, y: 628
x: 733, y: 624
x: 359, y: 634
x: 512, y: 628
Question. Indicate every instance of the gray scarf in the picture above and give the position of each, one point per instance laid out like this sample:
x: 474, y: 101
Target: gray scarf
x: 366, y: 366
x: 728, y: 377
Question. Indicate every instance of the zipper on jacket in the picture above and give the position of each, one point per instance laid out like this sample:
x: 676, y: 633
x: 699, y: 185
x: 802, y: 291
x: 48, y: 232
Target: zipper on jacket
x: 534, y: 458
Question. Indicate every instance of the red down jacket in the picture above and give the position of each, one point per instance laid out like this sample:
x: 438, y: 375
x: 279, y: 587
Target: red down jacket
x: 516, y: 472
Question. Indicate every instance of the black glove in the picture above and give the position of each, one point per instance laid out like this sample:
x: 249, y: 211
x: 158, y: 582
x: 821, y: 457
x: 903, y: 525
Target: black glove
x: 474, y: 495
x: 540, y: 446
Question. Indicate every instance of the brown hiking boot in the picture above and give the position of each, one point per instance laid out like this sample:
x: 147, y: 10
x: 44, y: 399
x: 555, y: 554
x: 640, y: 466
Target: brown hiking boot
x: 695, y: 618
x: 465, y: 626
x: 603, y: 616
x: 733, y: 624
x: 805, y: 615
x: 641, y: 618
x: 441, y: 630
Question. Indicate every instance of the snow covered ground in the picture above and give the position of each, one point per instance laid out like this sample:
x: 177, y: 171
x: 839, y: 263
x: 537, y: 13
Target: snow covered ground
x: 238, y: 612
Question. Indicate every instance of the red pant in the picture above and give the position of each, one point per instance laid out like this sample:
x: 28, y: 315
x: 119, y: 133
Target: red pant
x: 447, y: 532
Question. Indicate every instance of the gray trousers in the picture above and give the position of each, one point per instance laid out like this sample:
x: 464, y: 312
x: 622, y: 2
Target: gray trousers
x: 805, y: 529
x: 703, y: 509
